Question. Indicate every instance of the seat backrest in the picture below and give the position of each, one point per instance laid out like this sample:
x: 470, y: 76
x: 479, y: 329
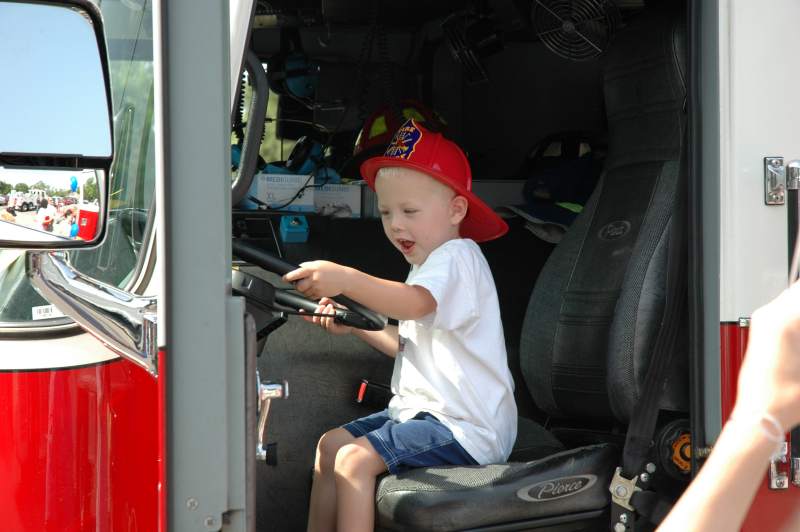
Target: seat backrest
x: 595, y: 311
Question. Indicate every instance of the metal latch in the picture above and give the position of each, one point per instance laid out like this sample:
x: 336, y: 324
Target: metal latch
x: 622, y: 489
x: 774, y: 181
x: 779, y: 479
x: 267, y: 391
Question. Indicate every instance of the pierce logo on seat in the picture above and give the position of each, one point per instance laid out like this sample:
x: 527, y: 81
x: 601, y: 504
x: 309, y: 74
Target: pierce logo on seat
x: 557, y: 488
x: 404, y: 141
x: 615, y: 230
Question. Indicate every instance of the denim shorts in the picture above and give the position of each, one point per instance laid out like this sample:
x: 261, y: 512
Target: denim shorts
x: 419, y: 442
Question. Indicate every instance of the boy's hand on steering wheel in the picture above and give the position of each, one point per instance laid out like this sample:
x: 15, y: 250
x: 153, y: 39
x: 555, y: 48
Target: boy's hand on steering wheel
x: 328, y: 306
x: 319, y: 278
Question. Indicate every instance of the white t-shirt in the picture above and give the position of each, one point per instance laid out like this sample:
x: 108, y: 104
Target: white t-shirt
x: 452, y: 363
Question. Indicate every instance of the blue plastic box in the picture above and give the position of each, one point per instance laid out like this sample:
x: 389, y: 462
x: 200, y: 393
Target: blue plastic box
x: 294, y: 229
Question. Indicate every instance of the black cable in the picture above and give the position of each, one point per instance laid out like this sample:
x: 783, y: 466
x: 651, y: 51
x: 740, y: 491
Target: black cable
x: 238, y: 121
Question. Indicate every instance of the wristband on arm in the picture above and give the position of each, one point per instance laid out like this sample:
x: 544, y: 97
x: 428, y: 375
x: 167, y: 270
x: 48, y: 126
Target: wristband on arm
x: 767, y: 424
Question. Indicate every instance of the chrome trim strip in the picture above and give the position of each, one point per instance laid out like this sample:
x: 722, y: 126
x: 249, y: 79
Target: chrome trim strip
x: 124, y: 322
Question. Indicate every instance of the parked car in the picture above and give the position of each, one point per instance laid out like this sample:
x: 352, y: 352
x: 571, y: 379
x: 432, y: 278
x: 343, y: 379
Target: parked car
x: 3, y: 199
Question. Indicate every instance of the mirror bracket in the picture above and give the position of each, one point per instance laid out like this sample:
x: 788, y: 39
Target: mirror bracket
x: 126, y: 323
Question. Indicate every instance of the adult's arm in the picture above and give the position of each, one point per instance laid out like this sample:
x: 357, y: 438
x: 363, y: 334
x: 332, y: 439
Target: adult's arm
x: 720, y: 496
x: 767, y: 405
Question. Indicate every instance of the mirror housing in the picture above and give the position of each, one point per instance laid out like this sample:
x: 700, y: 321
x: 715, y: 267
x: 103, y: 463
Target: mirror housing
x: 56, y: 144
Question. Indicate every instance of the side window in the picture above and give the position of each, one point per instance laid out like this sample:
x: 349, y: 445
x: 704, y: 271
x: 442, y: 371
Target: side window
x: 128, y: 27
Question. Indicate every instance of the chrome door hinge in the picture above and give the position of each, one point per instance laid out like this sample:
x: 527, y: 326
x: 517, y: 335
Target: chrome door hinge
x: 778, y: 476
x: 774, y: 181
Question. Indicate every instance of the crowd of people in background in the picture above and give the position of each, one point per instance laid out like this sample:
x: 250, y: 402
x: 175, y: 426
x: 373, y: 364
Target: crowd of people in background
x: 51, y: 215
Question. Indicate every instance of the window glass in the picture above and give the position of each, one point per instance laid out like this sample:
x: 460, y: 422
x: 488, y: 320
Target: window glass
x: 128, y: 29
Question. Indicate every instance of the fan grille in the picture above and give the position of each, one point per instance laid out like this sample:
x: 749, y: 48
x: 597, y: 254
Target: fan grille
x: 575, y: 29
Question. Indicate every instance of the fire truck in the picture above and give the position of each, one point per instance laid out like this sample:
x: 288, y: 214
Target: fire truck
x: 146, y: 364
x: 27, y: 201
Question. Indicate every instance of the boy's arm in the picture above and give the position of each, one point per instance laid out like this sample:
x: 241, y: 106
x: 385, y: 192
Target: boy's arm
x: 319, y: 279
x: 390, y: 298
x: 385, y: 341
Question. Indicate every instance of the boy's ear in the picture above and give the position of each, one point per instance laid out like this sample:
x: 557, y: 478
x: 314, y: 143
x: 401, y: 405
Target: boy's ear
x: 458, y: 209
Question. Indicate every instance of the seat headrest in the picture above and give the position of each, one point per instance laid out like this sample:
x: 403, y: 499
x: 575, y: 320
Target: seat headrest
x: 645, y: 87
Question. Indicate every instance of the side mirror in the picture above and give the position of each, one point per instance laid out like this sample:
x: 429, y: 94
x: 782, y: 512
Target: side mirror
x: 56, y: 141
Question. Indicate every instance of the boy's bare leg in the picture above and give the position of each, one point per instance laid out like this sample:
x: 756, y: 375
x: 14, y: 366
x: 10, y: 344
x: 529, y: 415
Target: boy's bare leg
x: 322, y: 508
x: 357, y: 466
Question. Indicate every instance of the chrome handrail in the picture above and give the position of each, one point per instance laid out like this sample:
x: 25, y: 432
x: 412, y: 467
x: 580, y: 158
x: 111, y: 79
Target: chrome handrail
x: 126, y: 323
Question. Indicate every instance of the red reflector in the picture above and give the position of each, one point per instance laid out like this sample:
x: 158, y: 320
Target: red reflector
x: 361, y: 391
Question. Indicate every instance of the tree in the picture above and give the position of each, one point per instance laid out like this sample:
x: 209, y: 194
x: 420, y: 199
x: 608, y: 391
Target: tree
x: 41, y: 185
x: 21, y: 187
x: 90, y: 190
x: 5, y: 188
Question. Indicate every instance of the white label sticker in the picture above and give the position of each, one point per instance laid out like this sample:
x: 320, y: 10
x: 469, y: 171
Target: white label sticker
x: 45, y: 311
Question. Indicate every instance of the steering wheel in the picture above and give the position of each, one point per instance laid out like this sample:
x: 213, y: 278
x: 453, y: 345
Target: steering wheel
x: 355, y: 315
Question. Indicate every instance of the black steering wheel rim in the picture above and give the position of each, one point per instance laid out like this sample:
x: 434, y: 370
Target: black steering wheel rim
x: 357, y: 315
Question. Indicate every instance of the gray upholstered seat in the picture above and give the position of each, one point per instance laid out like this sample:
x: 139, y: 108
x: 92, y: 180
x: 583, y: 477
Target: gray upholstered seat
x: 592, y: 319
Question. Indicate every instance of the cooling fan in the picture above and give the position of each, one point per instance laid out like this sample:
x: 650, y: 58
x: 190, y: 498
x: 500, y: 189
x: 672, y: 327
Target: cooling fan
x: 575, y: 29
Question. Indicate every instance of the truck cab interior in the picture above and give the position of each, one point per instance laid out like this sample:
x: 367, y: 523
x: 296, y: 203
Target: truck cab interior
x: 573, y: 115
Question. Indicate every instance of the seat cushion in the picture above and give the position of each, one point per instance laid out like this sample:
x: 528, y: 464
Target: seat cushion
x: 455, y: 498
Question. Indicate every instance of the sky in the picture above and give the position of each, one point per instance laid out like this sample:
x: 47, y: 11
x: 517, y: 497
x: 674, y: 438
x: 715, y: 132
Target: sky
x: 61, y: 106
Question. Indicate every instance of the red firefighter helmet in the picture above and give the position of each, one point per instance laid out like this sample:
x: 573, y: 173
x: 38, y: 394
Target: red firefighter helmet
x: 429, y: 152
x: 379, y: 128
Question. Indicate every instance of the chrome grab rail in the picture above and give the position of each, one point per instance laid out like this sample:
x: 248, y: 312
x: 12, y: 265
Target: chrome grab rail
x: 126, y: 323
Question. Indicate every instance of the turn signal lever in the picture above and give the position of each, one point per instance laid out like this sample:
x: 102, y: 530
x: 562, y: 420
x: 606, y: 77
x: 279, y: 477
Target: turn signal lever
x: 342, y: 316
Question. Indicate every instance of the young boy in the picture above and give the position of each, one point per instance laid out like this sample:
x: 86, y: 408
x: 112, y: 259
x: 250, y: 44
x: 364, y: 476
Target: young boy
x: 453, y: 392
